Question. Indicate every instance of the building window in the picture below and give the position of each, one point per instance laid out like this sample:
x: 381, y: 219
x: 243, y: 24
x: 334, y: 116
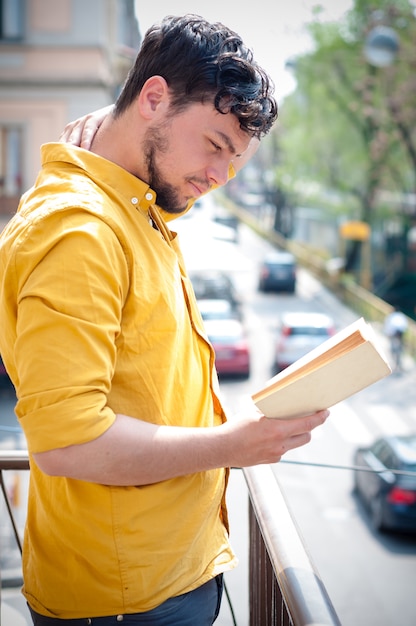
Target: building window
x: 11, y: 20
x: 11, y: 168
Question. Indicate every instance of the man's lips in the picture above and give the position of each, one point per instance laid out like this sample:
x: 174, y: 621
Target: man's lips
x: 199, y: 189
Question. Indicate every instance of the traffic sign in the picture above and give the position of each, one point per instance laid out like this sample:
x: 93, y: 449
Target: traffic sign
x: 358, y: 231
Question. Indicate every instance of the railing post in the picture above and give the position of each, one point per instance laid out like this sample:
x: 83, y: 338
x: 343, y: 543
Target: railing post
x: 266, y: 601
x: 285, y: 587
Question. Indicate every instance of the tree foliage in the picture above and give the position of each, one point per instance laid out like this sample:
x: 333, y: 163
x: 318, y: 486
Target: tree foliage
x: 350, y: 126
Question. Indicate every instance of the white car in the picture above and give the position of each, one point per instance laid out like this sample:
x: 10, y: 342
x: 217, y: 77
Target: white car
x: 300, y: 333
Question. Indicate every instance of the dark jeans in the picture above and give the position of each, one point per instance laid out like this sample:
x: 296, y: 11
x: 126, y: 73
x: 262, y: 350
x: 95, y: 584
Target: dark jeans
x: 200, y: 606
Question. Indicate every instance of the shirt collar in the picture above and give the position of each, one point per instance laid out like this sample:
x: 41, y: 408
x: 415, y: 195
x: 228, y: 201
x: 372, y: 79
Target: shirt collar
x: 102, y: 171
x: 135, y: 191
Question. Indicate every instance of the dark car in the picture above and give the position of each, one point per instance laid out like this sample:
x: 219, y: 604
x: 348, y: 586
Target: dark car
x: 214, y: 284
x: 218, y: 309
x: 226, y: 218
x: 388, y: 491
x: 278, y: 272
x: 5, y: 382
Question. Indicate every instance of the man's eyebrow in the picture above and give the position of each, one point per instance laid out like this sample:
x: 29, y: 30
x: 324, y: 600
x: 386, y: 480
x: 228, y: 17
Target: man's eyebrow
x: 226, y: 139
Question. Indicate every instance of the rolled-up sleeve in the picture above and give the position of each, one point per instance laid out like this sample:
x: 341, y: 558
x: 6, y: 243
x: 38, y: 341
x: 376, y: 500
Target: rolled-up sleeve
x: 69, y: 315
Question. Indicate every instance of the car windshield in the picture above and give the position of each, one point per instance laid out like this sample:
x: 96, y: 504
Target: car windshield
x: 308, y: 330
x: 281, y: 266
x: 224, y: 339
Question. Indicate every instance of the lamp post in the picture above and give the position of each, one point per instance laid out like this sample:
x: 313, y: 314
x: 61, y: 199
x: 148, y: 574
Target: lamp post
x: 381, y: 46
x: 380, y: 49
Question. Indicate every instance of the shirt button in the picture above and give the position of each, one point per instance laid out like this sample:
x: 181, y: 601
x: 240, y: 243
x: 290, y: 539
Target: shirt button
x: 134, y: 200
x: 149, y: 196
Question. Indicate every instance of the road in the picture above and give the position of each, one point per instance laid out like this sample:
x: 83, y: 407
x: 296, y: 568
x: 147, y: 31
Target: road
x: 370, y: 577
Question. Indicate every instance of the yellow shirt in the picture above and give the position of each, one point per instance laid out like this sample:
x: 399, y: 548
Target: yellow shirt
x: 98, y: 318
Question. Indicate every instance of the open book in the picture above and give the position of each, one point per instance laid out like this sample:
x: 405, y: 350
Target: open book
x: 339, y: 367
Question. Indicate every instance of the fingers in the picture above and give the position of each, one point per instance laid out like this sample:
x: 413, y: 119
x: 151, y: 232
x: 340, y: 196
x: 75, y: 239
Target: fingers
x: 297, y: 441
x: 299, y: 425
x: 300, y: 430
x: 256, y: 439
x: 294, y: 433
x: 81, y: 132
x: 316, y: 419
x: 72, y: 133
x: 87, y: 136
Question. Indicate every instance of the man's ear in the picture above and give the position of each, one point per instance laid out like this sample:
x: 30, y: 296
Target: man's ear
x: 153, y: 97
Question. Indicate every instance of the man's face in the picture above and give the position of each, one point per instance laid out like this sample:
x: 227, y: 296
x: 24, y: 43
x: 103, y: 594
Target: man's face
x: 191, y: 152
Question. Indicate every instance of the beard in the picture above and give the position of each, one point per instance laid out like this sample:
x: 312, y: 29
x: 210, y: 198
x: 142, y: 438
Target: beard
x: 167, y: 196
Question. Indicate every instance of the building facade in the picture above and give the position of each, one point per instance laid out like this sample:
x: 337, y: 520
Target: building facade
x: 59, y: 59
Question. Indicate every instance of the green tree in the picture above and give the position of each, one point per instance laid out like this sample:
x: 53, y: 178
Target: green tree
x: 349, y: 126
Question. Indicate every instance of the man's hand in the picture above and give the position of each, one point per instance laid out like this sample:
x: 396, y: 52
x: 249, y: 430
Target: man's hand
x: 81, y: 132
x: 259, y: 439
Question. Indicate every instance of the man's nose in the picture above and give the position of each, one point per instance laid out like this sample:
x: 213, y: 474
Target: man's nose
x: 218, y: 174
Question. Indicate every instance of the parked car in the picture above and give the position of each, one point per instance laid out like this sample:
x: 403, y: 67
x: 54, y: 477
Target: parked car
x: 389, y: 497
x: 278, y: 272
x: 5, y: 382
x: 210, y: 284
x: 224, y: 217
x: 217, y: 309
x: 299, y: 333
x: 229, y: 340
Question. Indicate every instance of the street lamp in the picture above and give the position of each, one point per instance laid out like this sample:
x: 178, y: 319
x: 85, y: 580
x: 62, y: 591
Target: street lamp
x: 381, y: 46
x: 380, y: 49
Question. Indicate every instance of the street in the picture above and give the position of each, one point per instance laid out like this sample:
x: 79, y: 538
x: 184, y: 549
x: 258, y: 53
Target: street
x: 369, y: 576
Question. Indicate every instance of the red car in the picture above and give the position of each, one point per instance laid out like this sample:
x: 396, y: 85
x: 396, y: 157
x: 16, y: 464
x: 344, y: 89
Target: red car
x: 232, y: 352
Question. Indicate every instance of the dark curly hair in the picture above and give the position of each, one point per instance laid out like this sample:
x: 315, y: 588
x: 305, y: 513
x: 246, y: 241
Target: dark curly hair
x: 204, y: 62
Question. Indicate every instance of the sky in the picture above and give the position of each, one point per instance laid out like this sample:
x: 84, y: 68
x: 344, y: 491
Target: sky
x: 273, y: 29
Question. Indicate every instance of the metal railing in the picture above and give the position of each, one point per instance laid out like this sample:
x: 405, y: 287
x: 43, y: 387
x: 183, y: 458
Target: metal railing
x: 15, y: 461
x: 285, y: 588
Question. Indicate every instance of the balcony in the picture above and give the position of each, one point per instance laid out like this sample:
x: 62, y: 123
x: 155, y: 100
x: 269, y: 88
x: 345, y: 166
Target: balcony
x: 284, y: 587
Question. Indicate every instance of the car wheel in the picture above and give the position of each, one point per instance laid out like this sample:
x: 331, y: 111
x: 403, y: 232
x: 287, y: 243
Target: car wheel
x: 377, y: 517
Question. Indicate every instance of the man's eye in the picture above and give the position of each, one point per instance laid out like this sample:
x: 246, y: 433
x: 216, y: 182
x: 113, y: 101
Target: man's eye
x: 216, y: 146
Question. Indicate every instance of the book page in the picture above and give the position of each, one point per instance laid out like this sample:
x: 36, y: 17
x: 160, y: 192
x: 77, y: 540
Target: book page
x: 342, y: 342
x: 352, y: 362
